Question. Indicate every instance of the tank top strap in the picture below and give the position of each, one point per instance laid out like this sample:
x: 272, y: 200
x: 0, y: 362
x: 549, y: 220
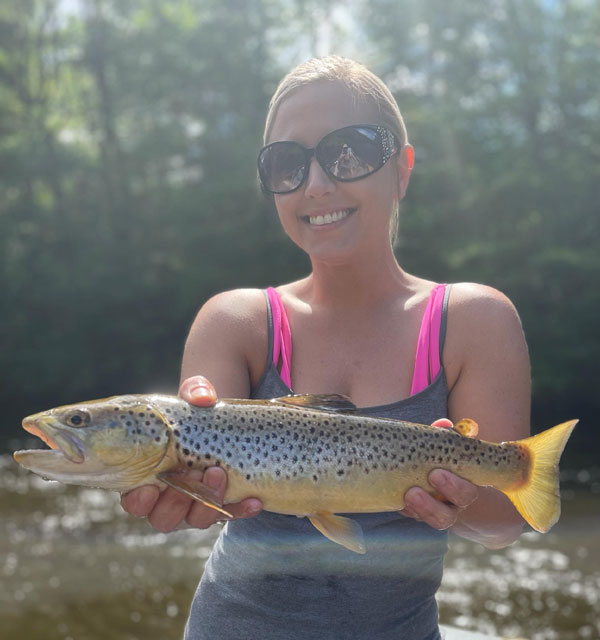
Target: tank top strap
x: 431, y: 340
x: 282, y: 337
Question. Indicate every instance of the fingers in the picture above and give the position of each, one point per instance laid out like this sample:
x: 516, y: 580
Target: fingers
x: 457, y: 492
x: 203, y: 517
x: 199, y: 391
x: 140, y: 502
x: 171, y: 509
x: 444, y: 423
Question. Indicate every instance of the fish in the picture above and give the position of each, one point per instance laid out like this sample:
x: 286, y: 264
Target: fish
x: 313, y: 456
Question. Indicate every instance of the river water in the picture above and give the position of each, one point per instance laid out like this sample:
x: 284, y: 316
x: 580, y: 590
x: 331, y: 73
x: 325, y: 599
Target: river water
x: 74, y: 566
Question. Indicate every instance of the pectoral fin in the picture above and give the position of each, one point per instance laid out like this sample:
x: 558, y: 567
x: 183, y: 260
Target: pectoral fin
x: 342, y: 530
x: 202, y: 493
x: 467, y: 427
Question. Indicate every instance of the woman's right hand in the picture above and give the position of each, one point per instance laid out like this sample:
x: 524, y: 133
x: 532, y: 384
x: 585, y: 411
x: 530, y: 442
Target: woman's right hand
x: 167, y: 510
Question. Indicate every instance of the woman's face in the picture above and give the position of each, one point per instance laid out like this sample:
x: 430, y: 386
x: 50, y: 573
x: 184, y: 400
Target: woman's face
x: 359, y: 212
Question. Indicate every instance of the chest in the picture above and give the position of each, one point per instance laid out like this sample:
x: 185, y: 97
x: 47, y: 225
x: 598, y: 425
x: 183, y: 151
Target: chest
x: 369, y: 358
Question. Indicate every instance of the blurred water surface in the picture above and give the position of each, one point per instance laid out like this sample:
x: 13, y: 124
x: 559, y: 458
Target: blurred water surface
x: 74, y: 566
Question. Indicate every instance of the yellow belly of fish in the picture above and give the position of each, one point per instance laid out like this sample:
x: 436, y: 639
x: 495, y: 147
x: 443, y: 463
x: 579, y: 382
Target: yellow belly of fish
x: 356, y: 493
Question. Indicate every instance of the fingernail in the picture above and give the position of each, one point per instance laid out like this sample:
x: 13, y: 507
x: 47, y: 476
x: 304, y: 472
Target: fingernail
x: 439, y: 479
x: 252, y: 509
x: 213, y: 480
x: 416, y: 500
x: 200, y: 390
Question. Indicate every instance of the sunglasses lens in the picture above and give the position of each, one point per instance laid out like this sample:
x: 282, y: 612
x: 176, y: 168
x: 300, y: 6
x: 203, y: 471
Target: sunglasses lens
x: 281, y: 166
x: 351, y: 153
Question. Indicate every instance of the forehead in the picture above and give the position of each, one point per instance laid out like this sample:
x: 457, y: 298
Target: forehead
x: 318, y: 108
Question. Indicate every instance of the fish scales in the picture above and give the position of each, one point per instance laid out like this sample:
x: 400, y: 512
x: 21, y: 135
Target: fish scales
x: 314, y: 456
x: 286, y: 445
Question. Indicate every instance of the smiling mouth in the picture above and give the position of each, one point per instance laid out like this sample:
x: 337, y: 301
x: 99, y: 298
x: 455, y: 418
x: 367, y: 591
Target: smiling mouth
x: 328, y: 218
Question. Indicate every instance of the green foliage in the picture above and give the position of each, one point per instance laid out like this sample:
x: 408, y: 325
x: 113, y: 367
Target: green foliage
x: 128, y: 138
x: 501, y: 103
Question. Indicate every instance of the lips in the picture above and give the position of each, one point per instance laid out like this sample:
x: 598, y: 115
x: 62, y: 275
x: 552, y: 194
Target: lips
x: 58, y: 439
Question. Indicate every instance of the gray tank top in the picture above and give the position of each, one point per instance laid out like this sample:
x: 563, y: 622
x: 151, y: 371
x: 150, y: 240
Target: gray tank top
x: 275, y: 577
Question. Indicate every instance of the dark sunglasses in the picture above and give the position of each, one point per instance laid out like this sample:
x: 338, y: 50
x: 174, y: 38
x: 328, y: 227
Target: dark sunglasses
x: 347, y: 154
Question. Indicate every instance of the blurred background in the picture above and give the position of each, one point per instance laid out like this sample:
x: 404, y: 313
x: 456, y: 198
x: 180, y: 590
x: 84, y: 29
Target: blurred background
x: 128, y: 136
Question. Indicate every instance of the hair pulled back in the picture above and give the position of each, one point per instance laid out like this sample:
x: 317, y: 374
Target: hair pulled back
x: 361, y: 84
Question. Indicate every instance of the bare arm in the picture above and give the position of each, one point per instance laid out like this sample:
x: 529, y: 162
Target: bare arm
x: 486, y: 357
x: 226, y: 345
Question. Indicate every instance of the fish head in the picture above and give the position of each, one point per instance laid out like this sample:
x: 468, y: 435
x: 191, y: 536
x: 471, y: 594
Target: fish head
x: 117, y: 443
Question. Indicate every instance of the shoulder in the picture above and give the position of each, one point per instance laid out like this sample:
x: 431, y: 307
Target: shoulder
x: 229, y: 329
x: 483, y: 325
x: 234, y: 306
x: 473, y: 306
x: 238, y: 315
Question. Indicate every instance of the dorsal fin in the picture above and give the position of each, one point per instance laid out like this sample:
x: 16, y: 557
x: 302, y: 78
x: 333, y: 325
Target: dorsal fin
x: 325, y: 402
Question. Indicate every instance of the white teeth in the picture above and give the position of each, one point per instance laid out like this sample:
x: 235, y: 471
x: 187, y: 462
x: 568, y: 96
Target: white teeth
x: 328, y: 218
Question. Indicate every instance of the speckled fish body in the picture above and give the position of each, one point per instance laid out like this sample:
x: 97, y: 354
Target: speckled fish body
x: 312, y: 456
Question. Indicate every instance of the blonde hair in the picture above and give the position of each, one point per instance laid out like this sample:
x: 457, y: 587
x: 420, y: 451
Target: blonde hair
x: 361, y: 84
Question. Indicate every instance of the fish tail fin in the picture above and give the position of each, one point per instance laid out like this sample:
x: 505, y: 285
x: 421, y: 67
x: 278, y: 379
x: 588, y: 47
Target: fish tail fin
x: 538, y: 498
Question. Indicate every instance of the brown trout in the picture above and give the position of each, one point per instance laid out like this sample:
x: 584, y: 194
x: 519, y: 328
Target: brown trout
x: 313, y: 456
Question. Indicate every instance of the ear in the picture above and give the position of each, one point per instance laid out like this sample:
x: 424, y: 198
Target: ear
x: 404, y: 162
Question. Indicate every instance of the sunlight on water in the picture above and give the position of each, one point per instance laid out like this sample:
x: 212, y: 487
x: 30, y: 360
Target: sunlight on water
x: 74, y: 565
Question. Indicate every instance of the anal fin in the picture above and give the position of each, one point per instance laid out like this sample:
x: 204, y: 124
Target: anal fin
x: 199, y: 492
x: 341, y: 530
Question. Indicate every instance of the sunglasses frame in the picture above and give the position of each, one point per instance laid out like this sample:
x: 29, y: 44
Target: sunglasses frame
x: 390, y: 145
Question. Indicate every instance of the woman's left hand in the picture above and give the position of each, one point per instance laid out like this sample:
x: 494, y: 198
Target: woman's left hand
x: 455, y: 495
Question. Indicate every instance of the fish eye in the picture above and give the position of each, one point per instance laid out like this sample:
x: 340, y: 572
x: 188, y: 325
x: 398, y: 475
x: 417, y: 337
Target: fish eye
x: 77, y: 418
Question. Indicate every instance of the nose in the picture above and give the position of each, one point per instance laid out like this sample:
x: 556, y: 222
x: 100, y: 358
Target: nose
x: 318, y: 183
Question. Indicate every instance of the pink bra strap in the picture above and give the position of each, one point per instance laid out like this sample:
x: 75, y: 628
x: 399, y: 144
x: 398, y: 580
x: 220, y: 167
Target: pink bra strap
x: 427, y: 359
x: 282, y: 337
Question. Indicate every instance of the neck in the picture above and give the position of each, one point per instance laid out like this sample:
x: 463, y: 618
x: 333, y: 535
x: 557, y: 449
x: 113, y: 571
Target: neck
x: 357, y: 282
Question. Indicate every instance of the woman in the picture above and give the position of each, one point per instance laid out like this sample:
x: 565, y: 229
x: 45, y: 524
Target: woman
x: 338, y: 162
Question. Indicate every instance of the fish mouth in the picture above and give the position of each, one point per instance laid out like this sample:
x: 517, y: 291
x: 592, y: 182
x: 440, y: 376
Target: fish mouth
x: 63, y: 443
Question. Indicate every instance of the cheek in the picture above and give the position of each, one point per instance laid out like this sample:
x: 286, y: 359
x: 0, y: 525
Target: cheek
x: 286, y: 208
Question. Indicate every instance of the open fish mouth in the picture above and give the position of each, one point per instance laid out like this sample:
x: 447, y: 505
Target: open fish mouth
x: 62, y: 442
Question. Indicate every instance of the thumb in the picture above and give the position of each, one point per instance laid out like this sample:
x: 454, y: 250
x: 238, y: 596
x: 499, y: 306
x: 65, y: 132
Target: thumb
x: 199, y: 391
